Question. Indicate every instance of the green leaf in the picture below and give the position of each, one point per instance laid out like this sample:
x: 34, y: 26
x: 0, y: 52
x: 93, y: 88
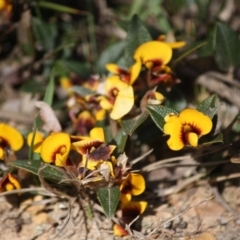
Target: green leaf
x: 209, y: 106
x: 158, y: 113
x: 216, y: 139
x: 110, y: 55
x: 130, y: 125
x: 188, y: 50
x: 49, y: 172
x: 59, y: 8
x: 77, y: 67
x: 82, y: 91
x: 32, y: 86
x: 109, y: 198
x: 203, y: 8
x: 227, y: 47
x: 174, y: 6
x: 45, y: 33
x: 120, y: 140
x: 48, y: 97
x: 137, y: 35
x: 207, y: 50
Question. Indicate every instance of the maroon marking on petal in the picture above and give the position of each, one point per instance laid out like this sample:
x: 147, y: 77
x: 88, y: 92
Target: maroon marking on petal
x: 184, y: 134
x: 157, y: 63
x: 83, y: 125
x: 3, y: 183
x: 55, y: 152
x: 4, y: 143
x: 87, y: 147
x: 130, y: 213
x: 127, y: 188
x: 122, y: 72
x: 113, y: 94
x: 100, y: 153
x: 73, y: 139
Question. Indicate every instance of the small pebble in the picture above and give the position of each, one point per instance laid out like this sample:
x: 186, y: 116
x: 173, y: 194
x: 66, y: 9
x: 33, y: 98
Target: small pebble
x: 238, y: 222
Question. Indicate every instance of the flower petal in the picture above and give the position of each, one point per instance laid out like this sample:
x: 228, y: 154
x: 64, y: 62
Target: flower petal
x: 135, y: 71
x: 97, y: 133
x: 153, y: 50
x: 11, y: 136
x: 38, y: 139
x: 123, y: 103
x: 55, y: 148
x: 197, y: 119
x: 1, y: 153
x: 125, y: 197
x: 192, y: 139
x: 85, y: 146
x: 138, y: 183
x: 14, y: 181
x: 119, y: 231
x: 173, y: 127
x: 175, y: 45
x: 114, y: 68
x: 130, y: 210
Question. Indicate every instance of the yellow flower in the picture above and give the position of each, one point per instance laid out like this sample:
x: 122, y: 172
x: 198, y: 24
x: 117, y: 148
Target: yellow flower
x: 119, y: 99
x: 84, y: 122
x: 128, y: 76
x: 186, y: 128
x: 65, y: 83
x: 134, y: 184
x: 119, y: 231
x: 38, y: 139
x: 55, y: 149
x: 129, y: 211
x: 163, y: 75
x: 93, y: 149
x: 151, y: 97
x: 93, y: 101
x: 153, y: 55
x: 8, y: 183
x: 5, y: 5
x: 9, y: 138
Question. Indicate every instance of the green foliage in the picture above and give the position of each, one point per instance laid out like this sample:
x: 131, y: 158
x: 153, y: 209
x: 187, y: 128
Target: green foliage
x: 109, y: 198
x: 82, y: 70
x: 226, y: 46
x: 33, y: 86
x: 45, y: 33
x: 120, y: 140
x: 158, y: 113
x: 48, y: 97
x: 188, y: 50
x: 137, y: 34
x: 49, y: 172
x: 110, y: 55
x: 82, y: 91
x: 67, y: 47
x: 209, y: 106
x: 58, y: 7
x: 130, y: 125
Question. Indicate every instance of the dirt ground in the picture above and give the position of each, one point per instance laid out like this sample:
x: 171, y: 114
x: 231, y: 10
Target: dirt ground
x: 198, y: 213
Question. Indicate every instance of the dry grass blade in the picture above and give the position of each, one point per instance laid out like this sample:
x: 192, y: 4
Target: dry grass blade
x: 136, y: 160
x: 160, y: 163
x: 40, y: 190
